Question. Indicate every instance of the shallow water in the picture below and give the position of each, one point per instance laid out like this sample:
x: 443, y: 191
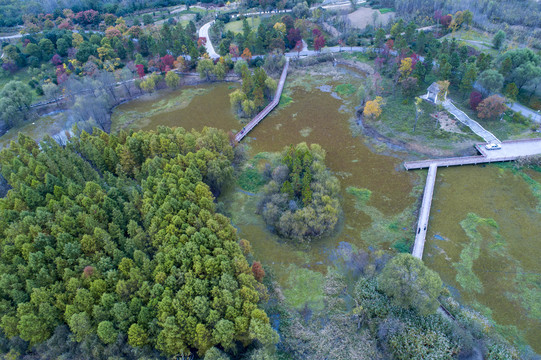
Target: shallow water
x: 320, y: 117
x: 490, y: 192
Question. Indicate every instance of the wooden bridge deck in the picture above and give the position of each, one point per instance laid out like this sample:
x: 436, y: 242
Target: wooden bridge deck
x: 510, y: 150
x: 466, y: 160
x: 422, y: 225
x: 257, y: 119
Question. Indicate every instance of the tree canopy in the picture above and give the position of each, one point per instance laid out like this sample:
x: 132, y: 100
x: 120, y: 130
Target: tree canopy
x: 116, y: 236
x: 411, y: 284
x: 301, y: 200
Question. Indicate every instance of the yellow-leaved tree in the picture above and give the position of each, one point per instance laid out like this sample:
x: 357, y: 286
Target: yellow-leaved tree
x: 444, y: 86
x: 406, y: 67
x: 372, y: 109
x: 280, y: 27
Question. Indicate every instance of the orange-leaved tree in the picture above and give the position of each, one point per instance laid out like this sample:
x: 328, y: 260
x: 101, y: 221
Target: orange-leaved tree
x: 246, y: 54
x: 492, y: 107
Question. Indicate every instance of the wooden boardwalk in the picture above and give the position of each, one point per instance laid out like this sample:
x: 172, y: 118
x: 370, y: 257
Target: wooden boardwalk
x: 422, y: 225
x: 465, y: 160
x: 510, y: 151
x: 257, y: 119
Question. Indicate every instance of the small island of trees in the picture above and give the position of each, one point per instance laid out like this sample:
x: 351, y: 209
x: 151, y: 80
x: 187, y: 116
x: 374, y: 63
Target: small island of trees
x: 301, y: 200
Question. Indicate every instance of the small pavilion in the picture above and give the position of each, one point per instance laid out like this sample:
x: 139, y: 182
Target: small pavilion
x: 432, y: 93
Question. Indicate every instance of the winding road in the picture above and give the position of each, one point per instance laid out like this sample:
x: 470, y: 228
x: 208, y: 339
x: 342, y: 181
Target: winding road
x: 204, y: 33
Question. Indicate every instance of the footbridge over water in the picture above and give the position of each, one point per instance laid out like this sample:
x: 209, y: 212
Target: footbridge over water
x: 257, y: 119
x: 510, y: 151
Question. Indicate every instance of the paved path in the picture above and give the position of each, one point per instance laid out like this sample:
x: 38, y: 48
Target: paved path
x: 257, y: 119
x: 420, y: 235
x: 472, y: 124
x: 535, y: 115
x: 204, y: 33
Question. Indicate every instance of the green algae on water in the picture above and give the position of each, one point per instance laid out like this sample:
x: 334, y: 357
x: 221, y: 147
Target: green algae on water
x: 528, y: 295
x: 345, y: 89
x: 285, y: 100
x: 304, y: 288
x: 392, y: 229
x: 305, y: 132
x: 362, y: 196
x: 465, y: 275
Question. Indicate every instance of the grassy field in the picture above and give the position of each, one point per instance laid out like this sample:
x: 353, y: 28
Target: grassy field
x: 480, y: 40
x: 364, y: 16
x: 503, y: 130
x: 36, y: 128
x: 236, y: 26
x: 399, y: 117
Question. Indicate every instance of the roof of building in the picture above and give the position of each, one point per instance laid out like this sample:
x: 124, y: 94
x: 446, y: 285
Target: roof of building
x: 434, y: 88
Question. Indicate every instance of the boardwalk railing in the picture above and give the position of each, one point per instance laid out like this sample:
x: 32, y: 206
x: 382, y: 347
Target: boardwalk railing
x: 466, y: 160
x: 241, y: 134
x: 420, y: 235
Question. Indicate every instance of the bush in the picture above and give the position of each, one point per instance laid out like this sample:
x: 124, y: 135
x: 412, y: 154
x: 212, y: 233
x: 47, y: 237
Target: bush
x: 520, y: 119
x: 475, y: 98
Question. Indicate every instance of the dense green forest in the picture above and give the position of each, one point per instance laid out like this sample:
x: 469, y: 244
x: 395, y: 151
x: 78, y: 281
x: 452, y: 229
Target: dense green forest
x: 116, y: 238
x: 12, y: 11
x: 301, y: 199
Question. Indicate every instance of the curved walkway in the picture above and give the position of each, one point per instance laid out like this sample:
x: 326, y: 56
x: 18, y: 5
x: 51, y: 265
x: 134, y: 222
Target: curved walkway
x: 204, y: 33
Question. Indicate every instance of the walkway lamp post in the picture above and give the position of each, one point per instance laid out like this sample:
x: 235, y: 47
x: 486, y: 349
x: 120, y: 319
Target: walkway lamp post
x: 418, y: 111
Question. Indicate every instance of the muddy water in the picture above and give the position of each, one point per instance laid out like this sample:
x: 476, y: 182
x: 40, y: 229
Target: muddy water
x: 508, y: 266
x: 191, y: 107
x: 321, y: 117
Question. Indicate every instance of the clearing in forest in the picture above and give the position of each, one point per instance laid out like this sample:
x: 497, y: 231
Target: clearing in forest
x: 364, y: 16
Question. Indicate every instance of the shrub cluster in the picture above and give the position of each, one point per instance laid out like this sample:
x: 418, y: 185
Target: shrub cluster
x: 301, y: 200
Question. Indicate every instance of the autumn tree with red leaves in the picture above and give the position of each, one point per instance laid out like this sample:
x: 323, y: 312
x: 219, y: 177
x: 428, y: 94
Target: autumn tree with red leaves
x: 234, y: 50
x: 258, y: 271
x: 319, y: 42
x: 293, y: 36
x: 492, y: 107
x: 140, y: 70
x: 475, y: 98
x: 445, y: 21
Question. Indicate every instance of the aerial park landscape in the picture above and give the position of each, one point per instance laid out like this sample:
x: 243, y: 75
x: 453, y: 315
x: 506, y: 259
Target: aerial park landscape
x: 262, y: 180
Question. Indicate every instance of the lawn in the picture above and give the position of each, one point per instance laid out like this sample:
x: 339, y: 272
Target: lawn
x: 504, y: 130
x: 398, y: 119
x: 479, y: 40
x: 236, y: 26
x: 36, y: 128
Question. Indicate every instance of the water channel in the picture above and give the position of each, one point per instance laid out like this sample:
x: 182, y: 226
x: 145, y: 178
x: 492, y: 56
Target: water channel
x: 502, y: 280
